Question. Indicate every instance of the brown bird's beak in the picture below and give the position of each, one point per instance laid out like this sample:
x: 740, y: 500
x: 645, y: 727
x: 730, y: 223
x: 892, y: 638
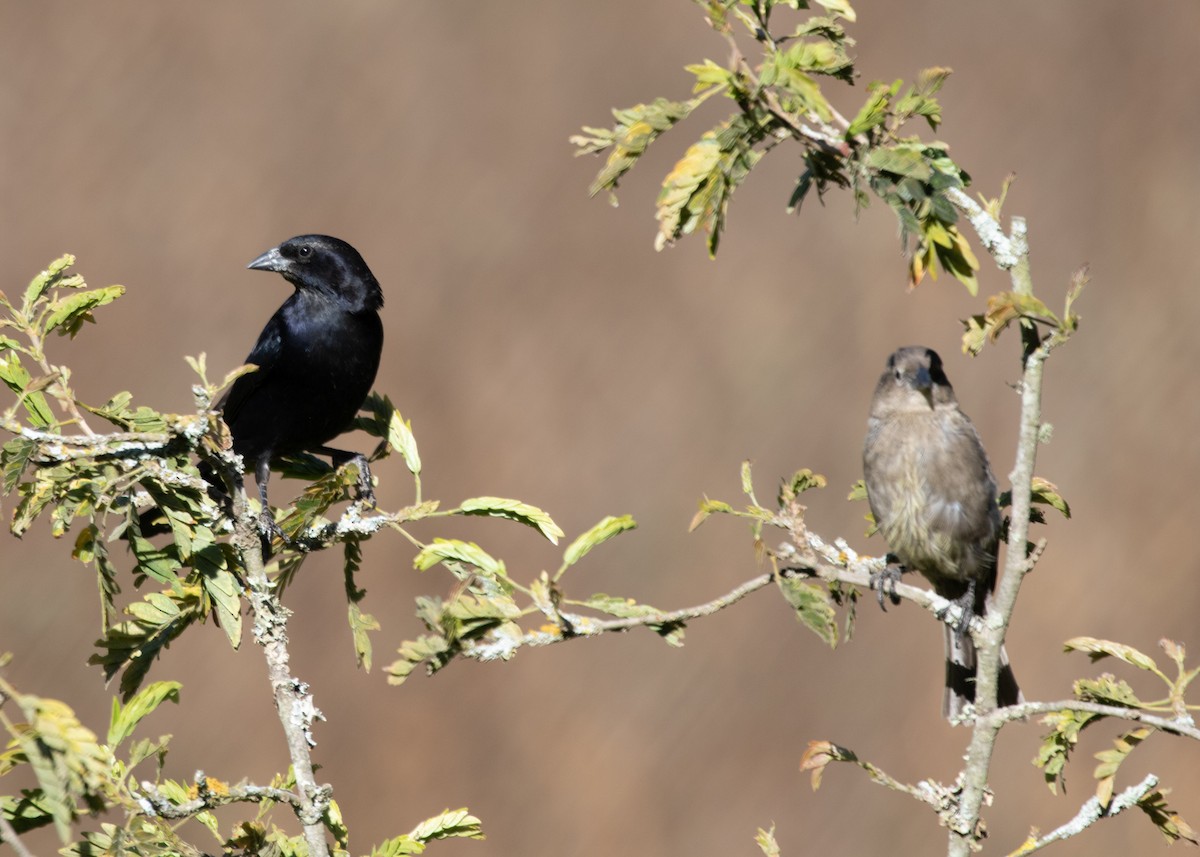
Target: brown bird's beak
x: 272, y: 260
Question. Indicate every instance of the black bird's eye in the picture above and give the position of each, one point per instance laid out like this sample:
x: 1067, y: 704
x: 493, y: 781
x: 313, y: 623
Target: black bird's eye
x: 304, y: 250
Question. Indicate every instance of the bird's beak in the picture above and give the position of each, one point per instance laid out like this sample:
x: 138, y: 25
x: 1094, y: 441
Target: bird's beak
x: 924, y: 384
x: 272, y: 260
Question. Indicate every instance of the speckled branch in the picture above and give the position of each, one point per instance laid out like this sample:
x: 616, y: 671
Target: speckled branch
x: 293, y: 698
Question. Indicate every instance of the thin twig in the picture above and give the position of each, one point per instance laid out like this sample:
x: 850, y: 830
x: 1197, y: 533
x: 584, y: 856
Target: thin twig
x: 991, y: 234
x: 158, y: 805
x: 8, y: 835
x: 58, y: 389
x: 1172, y: 725
x: 1091, y: 812
x: 827, y: 139
x: 590, y: 626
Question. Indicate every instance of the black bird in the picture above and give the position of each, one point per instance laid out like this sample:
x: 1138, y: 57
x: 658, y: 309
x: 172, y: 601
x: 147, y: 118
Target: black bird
x: 933, y: 496
x: 316, y: 358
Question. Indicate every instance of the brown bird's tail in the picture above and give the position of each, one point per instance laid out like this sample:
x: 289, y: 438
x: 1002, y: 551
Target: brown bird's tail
x: 960, y: 676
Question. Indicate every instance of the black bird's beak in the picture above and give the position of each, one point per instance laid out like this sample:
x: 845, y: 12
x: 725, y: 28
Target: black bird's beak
x: 272, y: 260
x: 924, y: 384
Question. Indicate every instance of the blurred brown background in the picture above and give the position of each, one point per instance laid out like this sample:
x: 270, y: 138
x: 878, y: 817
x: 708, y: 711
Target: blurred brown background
x: 545, y: 351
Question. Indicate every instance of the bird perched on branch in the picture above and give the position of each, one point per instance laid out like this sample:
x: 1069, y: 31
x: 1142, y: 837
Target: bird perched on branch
x: 933, y: 496
x: 316, y: 358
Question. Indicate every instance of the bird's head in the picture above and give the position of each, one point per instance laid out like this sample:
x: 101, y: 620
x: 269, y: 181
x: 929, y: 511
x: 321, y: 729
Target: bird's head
x: 321, y: 263
x: 913, y: 381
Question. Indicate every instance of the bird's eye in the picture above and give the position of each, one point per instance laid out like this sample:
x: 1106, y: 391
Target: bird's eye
x: 304, y: 250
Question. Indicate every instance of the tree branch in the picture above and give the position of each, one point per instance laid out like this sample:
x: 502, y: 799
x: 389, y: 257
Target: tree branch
x: 1185, y: 727
x: 578, y: 625
x: 1011, y: 254
x: 293, y: 699
x: 7, y: 834
x: 157, y: 805
x: 1091, y: 812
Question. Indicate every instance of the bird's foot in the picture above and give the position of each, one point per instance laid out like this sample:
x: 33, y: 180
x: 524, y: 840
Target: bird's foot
x: 966, y: 610
x: 364, y: 487
x: 269, y: 530
x: 884, y: 582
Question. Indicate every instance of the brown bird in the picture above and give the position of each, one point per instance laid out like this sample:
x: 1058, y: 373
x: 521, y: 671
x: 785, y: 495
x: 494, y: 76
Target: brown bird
x: 933, y: 496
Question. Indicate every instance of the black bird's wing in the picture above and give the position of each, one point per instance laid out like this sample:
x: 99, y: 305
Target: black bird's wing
x: 265, y: 356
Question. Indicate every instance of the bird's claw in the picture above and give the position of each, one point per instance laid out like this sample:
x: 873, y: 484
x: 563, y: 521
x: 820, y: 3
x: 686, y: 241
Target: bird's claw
x: 269, y: 530
x: 364, y: 489
x: 966, y: 610
x: 884, y: 583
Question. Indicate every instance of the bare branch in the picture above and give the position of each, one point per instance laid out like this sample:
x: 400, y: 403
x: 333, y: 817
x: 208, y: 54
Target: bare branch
x: 9, y: 836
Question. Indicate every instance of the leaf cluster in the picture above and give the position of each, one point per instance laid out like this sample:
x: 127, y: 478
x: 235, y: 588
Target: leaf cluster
x: 815, y: 605
x: 75, y: 773
x: 780, y: 96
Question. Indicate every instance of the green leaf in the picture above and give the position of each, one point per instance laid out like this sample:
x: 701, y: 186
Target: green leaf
x: 627, y: 608
x: 441, y: 550
x: 71, y: 311
x: 875, y: 111
x: 14, y: 458
x: 221, y: 585
x: 399, y: 846
x: 361, y: 624
x: 709, y: 507
x: 134, y: 644
x: 840, y: 8
x: 597, y: 535
x: 697, y: 191
x: 400, y: 437
x: 1046, y: 493
x: 433, y: 650
x: 637, y: 127
x: 1169, y: 823
x: 17, y: 379
x: 903, y: 160
x: 1111, y: 760
x: 451, y: 823
x: 68, y: 761
x: 801, y: 481
x: 709, y: 74
x: 766, y: 841
x: 30, y: 812
x: 1098, y: 649
x: 514, y: 510
x: 801, y: 94
x: 161, y: 564
x: 1107, y: 690
x: 1058, y: 743
x: 90, y: 548
x: 45, y: 281
x: 125, y: 719
x: 747, y: 479
x: 813, y: 608
x: 116, y: 411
